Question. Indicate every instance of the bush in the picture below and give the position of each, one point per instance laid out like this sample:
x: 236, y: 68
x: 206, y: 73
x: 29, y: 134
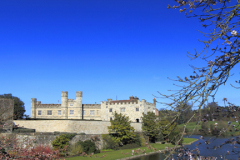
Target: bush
x: 137, y: 139
x: 204, y: 129
x: 175, y: 136
x: 109, y: 143
x: 61, y: 141
x: 70, y: 135
x: 76, y: 149
x: 88, y: 146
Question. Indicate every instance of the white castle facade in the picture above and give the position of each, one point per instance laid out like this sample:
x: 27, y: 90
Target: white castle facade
x: 74, y: 109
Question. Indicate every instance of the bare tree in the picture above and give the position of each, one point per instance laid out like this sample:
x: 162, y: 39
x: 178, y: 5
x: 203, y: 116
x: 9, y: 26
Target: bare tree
x: 220, y: 53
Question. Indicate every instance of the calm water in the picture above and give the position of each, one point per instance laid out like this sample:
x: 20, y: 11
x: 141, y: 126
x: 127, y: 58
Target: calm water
x: 203, y: 150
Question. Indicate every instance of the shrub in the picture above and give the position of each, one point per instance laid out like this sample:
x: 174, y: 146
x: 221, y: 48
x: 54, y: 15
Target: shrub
x: 76, y: 149
x: 88, y: 146
x: 204, y: 128
x: 61, y: 141
x: 16, y: 150
x: 70, y: 135
x: 175, y: 136
x: 109, y: 143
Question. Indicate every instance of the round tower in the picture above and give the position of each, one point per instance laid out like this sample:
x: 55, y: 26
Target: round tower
x: 64, y: 104
x: 79, y: 104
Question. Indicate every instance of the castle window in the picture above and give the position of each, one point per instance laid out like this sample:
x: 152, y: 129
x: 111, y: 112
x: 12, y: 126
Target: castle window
x: 122, y: 109
x: 49, y: 112
x: 84, y: 112
x: 39, y: 112
x: 59, y: 112
x: 71, y: 104
x: 91, y: 112
x: 110, y: 109
x: 137, y: 109
x: 140, y: 104
x: 110, y: 118
x: 71, y: 112
x: 137, y: 120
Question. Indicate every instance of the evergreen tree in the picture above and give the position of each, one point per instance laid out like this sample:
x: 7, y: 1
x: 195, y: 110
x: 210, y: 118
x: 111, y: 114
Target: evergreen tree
x: 121, y: 130
x: 150, y: 127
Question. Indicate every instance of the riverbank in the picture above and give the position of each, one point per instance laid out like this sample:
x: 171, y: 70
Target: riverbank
x: 127, y: 153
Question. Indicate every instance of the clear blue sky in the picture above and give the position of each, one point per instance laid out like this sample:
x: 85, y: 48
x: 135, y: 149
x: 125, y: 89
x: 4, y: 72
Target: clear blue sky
x: 105, y: 48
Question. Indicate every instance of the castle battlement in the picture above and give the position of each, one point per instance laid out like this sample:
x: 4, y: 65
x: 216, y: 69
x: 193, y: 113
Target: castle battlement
x: 48, y: 105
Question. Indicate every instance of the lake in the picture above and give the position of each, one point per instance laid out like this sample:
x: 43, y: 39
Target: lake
x: 206, y: 150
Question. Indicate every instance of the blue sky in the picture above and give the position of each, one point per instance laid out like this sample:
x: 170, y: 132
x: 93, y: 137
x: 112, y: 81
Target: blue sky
x: 105, y: 48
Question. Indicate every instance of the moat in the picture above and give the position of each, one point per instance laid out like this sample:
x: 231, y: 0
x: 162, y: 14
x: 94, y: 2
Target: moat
x: 206, y: 150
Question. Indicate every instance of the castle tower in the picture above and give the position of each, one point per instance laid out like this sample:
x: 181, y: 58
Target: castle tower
x: 33, y: 107
x: 79, y: 104
x: 64, y: 104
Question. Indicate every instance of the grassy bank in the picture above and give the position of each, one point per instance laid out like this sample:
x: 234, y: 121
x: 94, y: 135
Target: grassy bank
x: 113, y: 155
x: 192, y: 128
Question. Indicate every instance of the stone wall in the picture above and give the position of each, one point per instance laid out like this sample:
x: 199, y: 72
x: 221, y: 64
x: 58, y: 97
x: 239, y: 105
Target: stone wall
x: 35, y: 139
x: 71, y: 126
x: 97, y: 139
x: 6, y: 114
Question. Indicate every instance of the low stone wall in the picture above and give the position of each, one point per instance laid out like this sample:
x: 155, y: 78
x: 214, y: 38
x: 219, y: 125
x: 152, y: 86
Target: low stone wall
x: 35, y: 139
x: 71, y: 126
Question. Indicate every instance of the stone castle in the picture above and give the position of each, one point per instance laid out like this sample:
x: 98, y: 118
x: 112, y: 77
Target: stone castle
x: 74, y: 109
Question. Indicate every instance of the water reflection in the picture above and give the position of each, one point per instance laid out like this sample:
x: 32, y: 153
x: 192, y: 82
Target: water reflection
x: 214, y: 148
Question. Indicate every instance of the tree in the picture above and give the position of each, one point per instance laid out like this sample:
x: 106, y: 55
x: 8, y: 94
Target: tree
x: 221, y: 17
x: 19, y: 108
x: 220, y: 54
x: 150, y: 127
x: 120, y: 128
x: 170, y: 131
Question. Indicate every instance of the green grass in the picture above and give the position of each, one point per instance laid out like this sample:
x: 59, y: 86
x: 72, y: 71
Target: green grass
x: 192, y: 125
x: 113, y: 155
x: 189, y: 140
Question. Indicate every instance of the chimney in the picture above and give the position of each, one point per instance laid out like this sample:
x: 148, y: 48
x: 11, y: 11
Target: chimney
x: 154, y: 101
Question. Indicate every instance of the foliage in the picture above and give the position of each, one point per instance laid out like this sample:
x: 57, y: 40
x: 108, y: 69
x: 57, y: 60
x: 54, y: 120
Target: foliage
x: 121, y: 130
x: 109, y: 142
x: 205, y: 130
x: 88, y: 146
x: 175, y: 136
x: 150, y: 127
x: 61, y: 141
x: 19, y: 108
x: 76, y: 149
x: 16, y: 150
x: 170, y: 132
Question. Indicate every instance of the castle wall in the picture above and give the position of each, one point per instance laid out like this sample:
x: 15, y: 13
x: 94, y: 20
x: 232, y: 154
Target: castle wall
x: 71, y: 126
x: 132, y: 109
x: 74, y: 109
x: 92, y: 111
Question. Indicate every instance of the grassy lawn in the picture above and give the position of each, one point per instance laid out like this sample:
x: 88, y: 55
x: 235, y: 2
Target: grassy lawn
x: 189, y: 140
x: 113, y: 155
x: 192, y: 125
